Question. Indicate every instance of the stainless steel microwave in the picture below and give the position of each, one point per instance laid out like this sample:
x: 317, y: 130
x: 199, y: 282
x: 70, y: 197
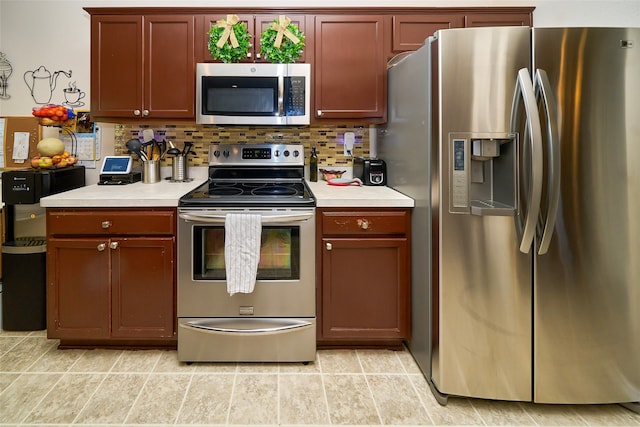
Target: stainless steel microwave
x: 253, y: 94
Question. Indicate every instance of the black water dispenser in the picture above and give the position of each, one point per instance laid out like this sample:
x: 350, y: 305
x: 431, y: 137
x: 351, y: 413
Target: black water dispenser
x: 24, y: 253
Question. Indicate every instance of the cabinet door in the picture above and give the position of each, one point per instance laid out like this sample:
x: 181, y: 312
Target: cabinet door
x: 350, y: 68
x: 497, y: 19
x: 263, y: 22
x: 410, y: 31
x: 365, y: 288
x: 78, y: 288
x: 116, y: 65
x: 169, y: 66
x: 202, y: 49
x: 142, y: 287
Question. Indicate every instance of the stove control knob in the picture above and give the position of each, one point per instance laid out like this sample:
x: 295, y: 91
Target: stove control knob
x: 225, y: 153
x: 216, y: 153
x: 296, y: 153
x: 276, y: 153
x: 286, y: 153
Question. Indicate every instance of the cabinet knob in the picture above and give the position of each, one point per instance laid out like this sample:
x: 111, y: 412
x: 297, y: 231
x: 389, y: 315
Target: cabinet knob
x: 101, y: 247
x: 363, y: 224
x: 319, y: 113
x: 328, y: 246
x: 106, y: 224
x: 113, y: 245
x: 136, y: 112
x: 248, y: 54
x: 257, y: 56
x: 145, y: 112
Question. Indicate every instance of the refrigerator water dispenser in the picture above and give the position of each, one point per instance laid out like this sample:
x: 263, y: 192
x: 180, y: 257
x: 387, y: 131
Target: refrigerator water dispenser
x: 483, y: 174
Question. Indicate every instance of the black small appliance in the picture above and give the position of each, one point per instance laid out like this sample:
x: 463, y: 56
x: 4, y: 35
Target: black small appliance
x: 24, y: 253
x: 120, y: 179
x: 370, y: 171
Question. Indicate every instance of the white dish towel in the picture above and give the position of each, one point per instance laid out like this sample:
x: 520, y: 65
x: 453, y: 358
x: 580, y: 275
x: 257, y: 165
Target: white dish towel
x: 242, y: 251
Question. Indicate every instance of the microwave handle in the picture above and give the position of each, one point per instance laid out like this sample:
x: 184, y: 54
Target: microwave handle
x: 280, y: 95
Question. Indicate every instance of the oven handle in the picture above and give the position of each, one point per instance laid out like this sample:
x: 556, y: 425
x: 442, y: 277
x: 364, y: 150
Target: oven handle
x: 219, y: 218
x: 210, y: 325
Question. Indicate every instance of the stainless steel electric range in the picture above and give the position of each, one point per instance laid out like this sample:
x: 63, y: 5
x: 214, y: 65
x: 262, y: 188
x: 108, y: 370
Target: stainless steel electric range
x: 276, y: 320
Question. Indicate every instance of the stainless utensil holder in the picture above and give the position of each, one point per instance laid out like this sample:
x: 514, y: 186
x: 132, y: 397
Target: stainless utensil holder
x: 179, y: 168
x: 151, y: 171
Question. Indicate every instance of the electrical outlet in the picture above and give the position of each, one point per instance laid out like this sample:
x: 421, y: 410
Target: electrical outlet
x: 349, y: 140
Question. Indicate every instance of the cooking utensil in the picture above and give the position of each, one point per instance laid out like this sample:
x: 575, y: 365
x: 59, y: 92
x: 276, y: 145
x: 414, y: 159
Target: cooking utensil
x: 174, y: 151
x: 135, y: 146
x: 148, y: 136
x: 187, y: 147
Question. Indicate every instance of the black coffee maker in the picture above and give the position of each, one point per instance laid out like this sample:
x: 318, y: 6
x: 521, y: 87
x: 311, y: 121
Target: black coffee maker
x: 371, y: 171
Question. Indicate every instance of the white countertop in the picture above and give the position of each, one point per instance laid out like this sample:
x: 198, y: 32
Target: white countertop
x: 166, y: 193
x: 358, y: 196
x: 163, y: 193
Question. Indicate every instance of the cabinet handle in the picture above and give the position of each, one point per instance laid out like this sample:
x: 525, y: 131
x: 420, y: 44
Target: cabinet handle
x: 363, y: 224
x: 106, y: 224
x: 101, y: 247
x: 136, y: 112
x: 113, y: 245
x: 145, y: 112
x: 329, y: 246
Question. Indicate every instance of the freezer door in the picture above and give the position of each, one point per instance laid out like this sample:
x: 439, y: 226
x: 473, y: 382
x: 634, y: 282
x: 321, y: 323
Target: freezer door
x: 587, y: 287
x: 482, y: 282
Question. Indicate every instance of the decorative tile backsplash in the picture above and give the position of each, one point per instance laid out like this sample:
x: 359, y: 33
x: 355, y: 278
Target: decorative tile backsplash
x: 328, y: 140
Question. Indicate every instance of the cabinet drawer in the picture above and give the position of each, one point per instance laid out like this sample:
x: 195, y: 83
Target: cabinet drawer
x: 363, y: 222
x: 111, y: 222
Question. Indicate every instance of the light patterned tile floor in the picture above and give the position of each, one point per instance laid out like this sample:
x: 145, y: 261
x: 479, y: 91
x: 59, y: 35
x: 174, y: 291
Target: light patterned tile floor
x: 41, y: 385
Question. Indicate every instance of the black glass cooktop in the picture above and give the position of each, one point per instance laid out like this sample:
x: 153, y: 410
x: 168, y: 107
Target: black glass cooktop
x: 254, y: 193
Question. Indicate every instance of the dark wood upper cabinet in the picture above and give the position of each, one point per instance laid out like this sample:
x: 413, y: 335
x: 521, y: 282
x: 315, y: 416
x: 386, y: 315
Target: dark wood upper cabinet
x: 409, y: 32
x: 497, y: 19
x: 349, y: 67
x: 142, y: 66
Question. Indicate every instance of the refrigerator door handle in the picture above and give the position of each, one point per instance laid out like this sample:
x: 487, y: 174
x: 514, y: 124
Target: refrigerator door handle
x: 524, y: 91
x: 545, y: 95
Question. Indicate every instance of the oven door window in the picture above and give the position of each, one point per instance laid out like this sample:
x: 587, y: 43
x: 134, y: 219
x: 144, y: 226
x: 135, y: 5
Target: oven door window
x: 279, y: 253
x: 240, y: 96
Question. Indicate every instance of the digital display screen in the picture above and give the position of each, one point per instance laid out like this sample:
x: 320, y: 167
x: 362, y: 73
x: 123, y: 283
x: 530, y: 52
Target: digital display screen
x: 256, y: 153
x: 458, y: 155
x: 116, y: 164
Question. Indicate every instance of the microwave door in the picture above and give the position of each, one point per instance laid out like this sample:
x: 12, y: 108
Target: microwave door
x: 252, y: 94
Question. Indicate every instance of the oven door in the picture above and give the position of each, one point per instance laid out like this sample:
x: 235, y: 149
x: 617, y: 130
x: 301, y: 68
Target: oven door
x: 285, y: 284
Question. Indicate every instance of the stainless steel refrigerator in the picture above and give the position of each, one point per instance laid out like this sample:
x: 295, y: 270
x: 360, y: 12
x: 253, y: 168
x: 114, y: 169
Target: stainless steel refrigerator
x: 521, y: 148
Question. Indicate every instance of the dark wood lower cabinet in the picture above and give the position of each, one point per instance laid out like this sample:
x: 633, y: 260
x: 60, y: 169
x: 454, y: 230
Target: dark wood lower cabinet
x: 364, y: 277
x: 111, y: 288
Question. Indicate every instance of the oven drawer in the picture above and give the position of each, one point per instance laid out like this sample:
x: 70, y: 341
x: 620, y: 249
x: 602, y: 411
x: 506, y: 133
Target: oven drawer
x: 246, y: 339
x: 365, y: 222
x: 111, y: 222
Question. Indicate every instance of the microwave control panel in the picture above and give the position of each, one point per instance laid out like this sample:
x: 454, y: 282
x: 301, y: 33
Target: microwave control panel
x: 294, y: 99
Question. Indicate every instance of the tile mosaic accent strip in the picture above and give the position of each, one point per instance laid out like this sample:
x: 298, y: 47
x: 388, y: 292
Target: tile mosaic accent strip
x: 328, y: 140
